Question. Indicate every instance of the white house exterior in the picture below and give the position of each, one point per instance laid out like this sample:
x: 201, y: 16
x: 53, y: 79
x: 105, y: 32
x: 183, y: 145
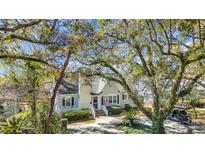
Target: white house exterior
x: 95, y: 96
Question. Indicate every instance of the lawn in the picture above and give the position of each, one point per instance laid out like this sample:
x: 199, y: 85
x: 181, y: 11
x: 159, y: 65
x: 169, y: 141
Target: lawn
x: 136, y: 129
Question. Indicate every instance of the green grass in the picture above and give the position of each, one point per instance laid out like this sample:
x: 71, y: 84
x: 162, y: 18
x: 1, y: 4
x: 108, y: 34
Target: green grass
x: 136, y: 129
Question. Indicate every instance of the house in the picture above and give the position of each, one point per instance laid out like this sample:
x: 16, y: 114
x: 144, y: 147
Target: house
x: 96, y: 95
x: 8, y: 100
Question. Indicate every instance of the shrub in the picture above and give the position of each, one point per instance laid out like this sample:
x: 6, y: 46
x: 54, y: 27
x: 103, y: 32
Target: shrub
x: 77, y: 115
x: 36, y: 125
x: 42, y: 113
x: 13, y: 126
x: 24, y: 114
x: 114, y: 109
x: 128, y: 107
x: 130, y: 116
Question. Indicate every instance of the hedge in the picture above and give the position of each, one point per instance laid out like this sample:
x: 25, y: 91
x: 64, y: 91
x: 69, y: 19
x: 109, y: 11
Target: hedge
x: 77, y: 115
x: 114, y: 109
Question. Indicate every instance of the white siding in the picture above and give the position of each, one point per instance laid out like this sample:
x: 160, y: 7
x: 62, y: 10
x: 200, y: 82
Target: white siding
x: 110, y: 90
x: 85, y: 97
x: 126, y: 101
x: 59, y: 108
x: 114, y: 89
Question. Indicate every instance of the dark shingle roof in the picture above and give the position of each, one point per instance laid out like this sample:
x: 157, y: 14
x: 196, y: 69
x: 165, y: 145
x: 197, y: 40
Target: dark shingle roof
x: 68, y: 88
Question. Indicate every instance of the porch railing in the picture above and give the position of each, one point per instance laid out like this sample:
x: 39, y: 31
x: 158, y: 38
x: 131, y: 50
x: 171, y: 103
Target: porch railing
x: 105, y: 110
x: 92, y: 110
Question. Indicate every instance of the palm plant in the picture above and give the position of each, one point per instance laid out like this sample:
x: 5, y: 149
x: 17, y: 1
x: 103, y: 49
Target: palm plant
x: 13, y: 126
x: 130, y: 116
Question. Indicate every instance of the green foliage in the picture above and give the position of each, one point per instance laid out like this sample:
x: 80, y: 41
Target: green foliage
x: 24, y: 114
x: 137, y: 128
x: 25, y: 123
x: 13, y: 126
x: 130, y: 116
x: 77, y: 115
x: 114, y: 109
x: 42, y: 113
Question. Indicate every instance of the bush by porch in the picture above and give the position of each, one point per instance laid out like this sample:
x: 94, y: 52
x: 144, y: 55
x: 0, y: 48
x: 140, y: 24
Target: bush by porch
x: 83, y: 114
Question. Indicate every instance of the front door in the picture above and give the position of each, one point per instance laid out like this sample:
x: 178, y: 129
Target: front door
x: 95, y: 102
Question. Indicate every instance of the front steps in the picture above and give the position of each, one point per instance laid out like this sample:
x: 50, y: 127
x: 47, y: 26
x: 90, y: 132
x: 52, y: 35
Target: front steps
x: 99, y: 113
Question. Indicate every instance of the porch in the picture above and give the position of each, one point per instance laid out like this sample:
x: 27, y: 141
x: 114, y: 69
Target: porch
x: 101, y: 101
x: 102, y: 105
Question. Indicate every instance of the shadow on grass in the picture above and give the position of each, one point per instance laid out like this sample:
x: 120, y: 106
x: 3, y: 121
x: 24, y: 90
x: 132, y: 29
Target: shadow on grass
x: 136, y: 129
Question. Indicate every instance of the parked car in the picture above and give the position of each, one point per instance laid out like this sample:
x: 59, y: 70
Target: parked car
x: 180, y: 114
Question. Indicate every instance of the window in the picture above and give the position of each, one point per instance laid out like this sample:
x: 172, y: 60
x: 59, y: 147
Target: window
x: 114, y: 99
x: 110, y: 99
x: 124, y: 97
x: 118, y: 99
x: 68, y: 102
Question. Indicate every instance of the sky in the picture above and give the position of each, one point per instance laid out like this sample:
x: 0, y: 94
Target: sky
x: 2, y: 71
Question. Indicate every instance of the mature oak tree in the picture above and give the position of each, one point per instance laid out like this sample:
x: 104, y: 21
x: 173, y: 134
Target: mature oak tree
x: 162, y: 58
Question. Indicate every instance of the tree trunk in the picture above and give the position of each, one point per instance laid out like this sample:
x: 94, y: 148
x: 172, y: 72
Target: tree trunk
x: 34, y: 106
x: 158, y: 126
x: 48, y: 121
x: 132, y: 123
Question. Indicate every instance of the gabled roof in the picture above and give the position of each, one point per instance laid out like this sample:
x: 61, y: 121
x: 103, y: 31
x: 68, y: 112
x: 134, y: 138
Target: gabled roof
x: 72, y: 86
x: 68, y: 87
x: 97, y: 85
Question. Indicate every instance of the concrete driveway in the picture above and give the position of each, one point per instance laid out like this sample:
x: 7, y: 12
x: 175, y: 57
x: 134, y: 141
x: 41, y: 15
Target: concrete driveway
x: 107, y: 125
x: 172, y: 127
x: 101, y: 125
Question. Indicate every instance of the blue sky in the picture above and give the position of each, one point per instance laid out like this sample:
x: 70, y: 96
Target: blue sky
x: 2, y: 71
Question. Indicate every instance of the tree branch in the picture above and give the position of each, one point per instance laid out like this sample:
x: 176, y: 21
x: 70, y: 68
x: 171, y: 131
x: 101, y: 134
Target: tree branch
x: 13, y: 29
x: 18, y: 37
x: 190, y: 86
x: 27, y: 58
